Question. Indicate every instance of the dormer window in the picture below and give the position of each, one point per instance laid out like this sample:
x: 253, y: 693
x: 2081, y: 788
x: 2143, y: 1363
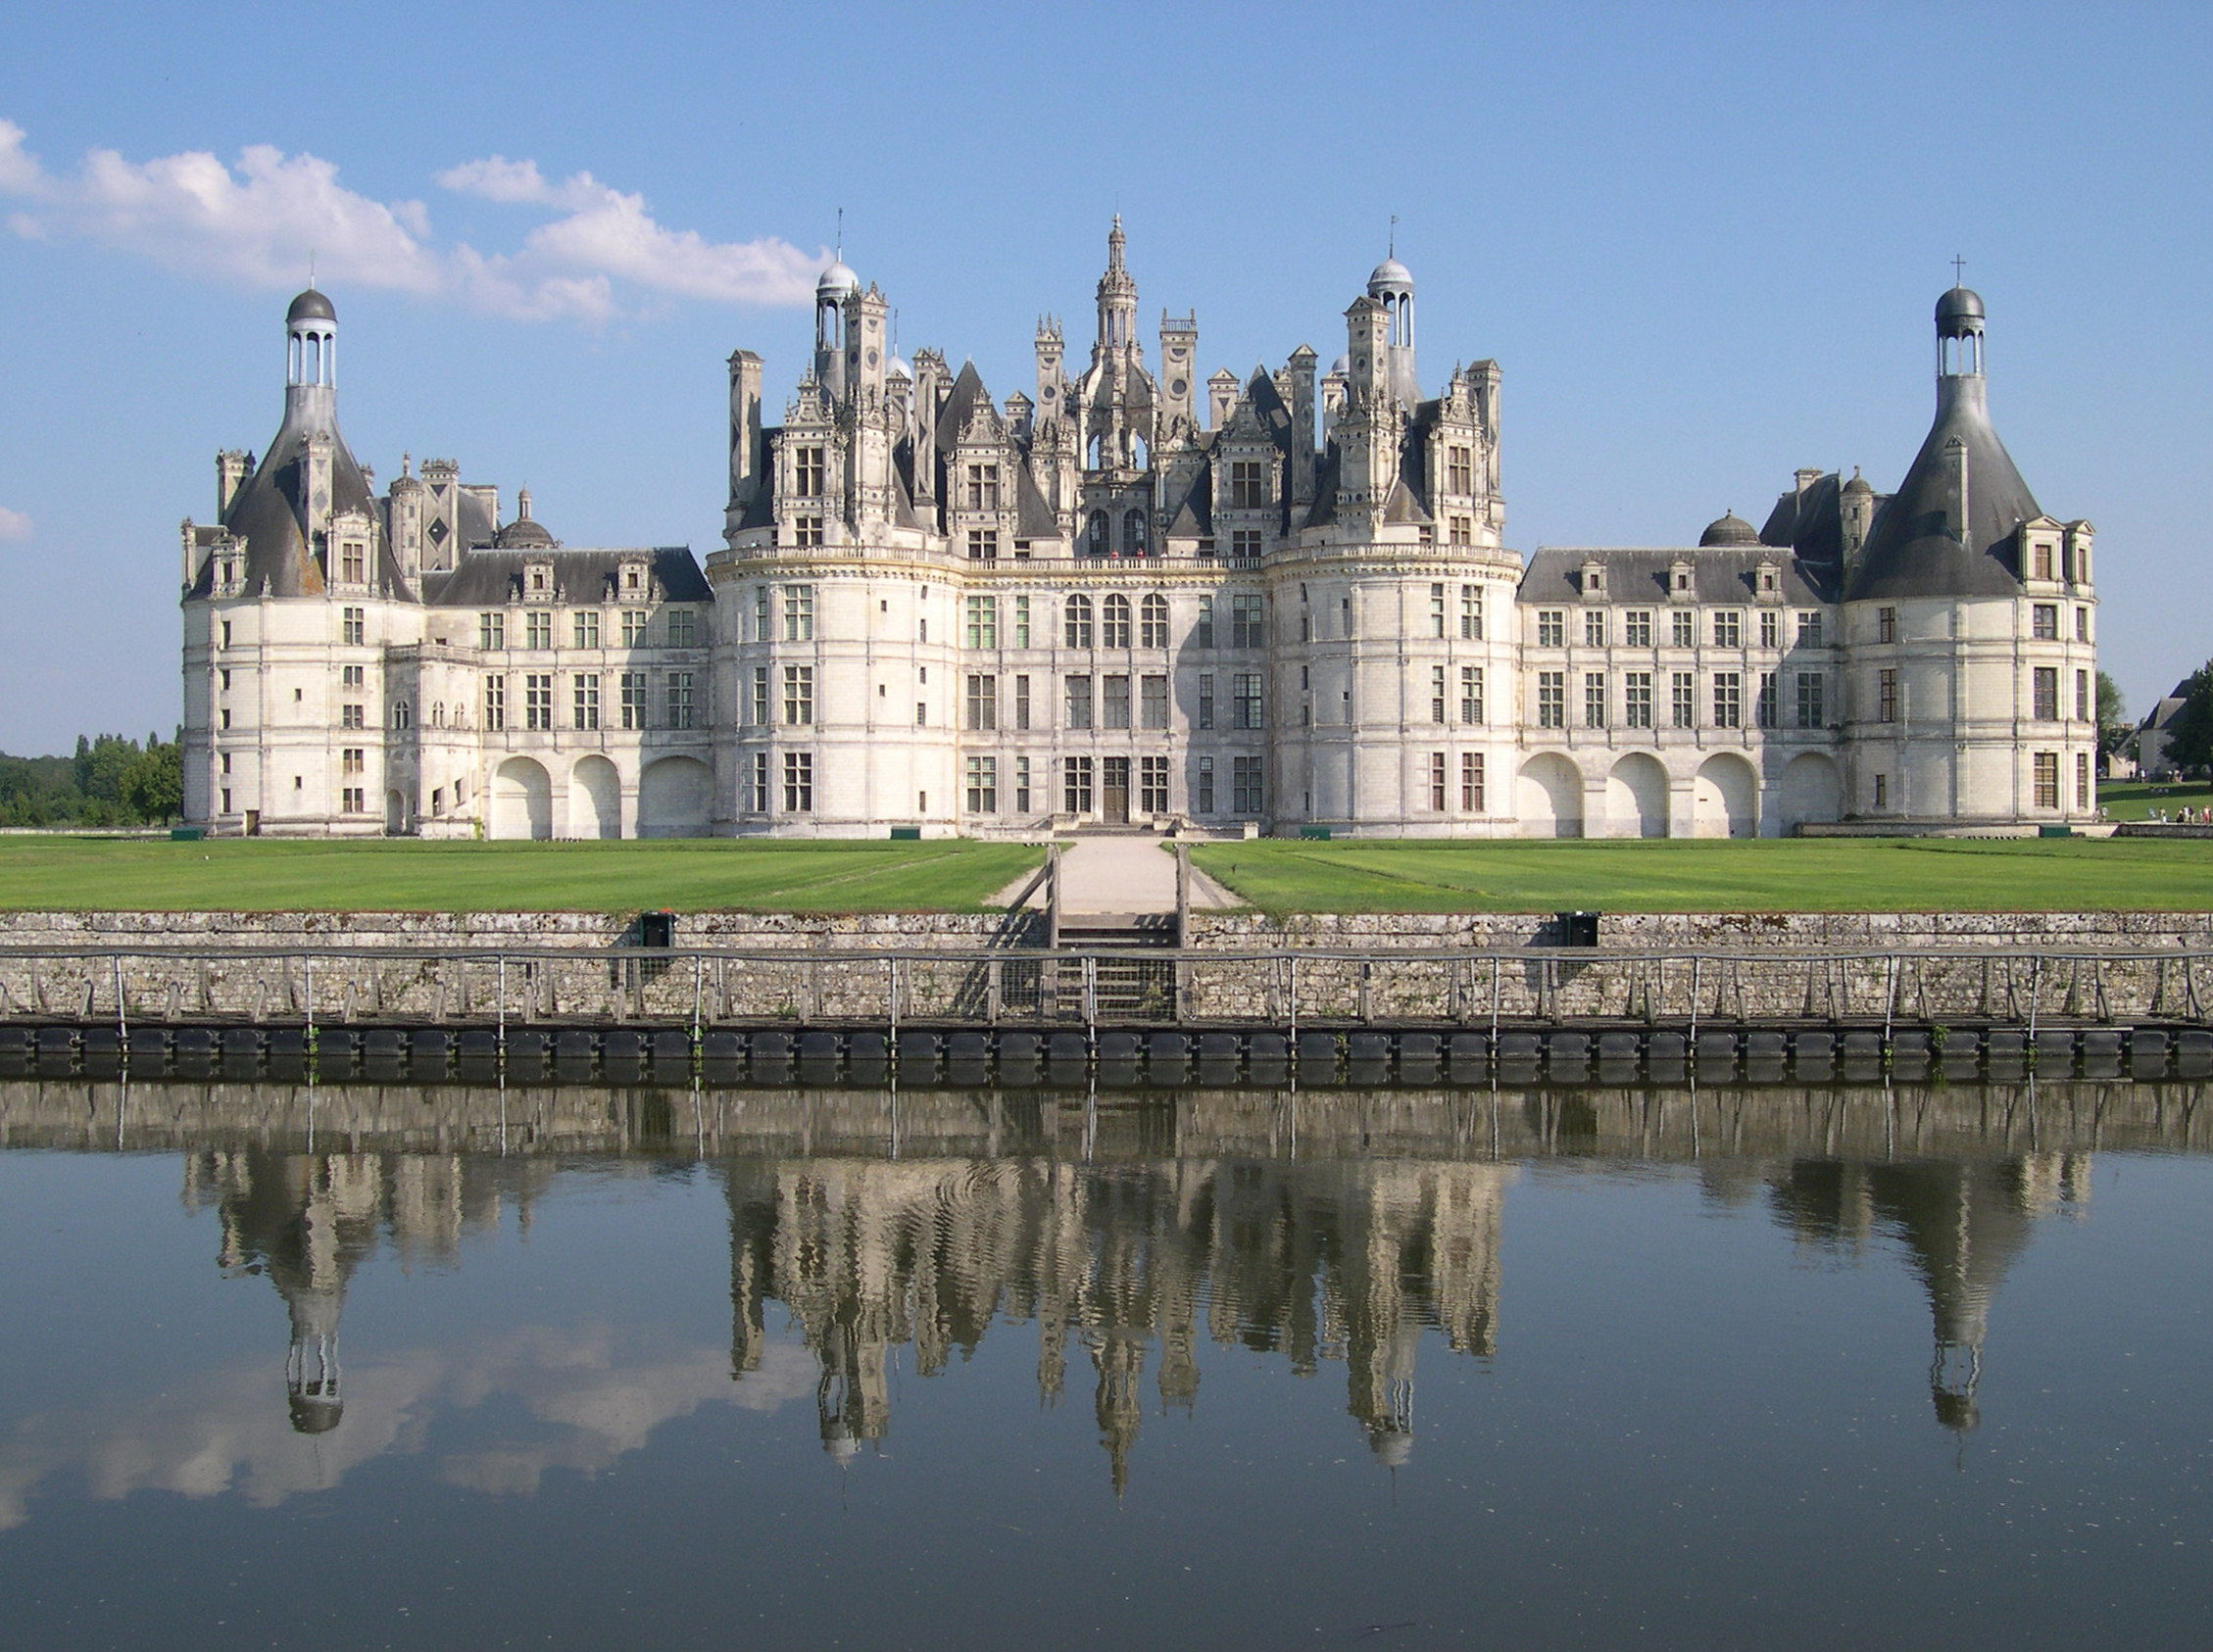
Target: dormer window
x: 1679, y: 581
x: 538, y: 581
x: 1594, y: 580
x: 1768, y: 582
x: 2042, y: 559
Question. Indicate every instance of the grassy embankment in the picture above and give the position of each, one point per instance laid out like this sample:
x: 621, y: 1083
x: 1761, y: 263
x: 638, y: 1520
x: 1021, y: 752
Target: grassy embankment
x: 1760, y: 875
x: 71, y: 874
x: 2135, y: 801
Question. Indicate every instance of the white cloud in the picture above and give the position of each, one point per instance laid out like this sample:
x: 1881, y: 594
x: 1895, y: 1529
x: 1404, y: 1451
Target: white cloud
x: 261, y: 222
x: 14, y: 525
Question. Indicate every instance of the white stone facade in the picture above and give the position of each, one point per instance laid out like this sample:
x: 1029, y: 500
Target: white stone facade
x: 1112, y: 601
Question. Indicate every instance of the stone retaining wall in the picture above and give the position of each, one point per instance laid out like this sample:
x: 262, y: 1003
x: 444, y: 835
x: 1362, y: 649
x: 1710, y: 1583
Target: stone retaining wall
x: 1702, y: 931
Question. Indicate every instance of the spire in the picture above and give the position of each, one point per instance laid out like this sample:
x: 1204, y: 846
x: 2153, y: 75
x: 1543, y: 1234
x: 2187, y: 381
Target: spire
x: 1116, y: 242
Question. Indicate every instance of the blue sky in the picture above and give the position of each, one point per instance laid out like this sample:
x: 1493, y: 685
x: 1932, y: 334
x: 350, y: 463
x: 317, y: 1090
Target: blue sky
x: 1702, y: 242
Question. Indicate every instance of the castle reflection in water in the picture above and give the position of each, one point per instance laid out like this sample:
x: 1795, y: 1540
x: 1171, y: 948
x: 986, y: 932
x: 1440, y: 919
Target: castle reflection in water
x: 1329, y: 1228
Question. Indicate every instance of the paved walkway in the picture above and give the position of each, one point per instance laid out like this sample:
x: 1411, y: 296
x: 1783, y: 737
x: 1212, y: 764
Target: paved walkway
x: 1123, y: 874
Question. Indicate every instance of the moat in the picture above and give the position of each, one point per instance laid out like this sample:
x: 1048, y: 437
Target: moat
x: 1827, y: 1365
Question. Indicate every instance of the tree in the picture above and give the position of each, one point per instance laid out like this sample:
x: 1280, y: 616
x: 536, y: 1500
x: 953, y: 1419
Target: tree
x: 2190, y: 732
x: 154, y: 785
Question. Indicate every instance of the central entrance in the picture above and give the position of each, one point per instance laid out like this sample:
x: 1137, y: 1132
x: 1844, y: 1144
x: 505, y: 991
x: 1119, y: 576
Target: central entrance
x: 1114, y: 792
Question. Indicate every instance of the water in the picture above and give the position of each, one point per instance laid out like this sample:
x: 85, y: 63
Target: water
x: 576, y: 1368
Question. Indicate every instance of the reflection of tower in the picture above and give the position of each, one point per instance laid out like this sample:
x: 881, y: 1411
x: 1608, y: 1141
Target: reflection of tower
x: 1962, y: 1223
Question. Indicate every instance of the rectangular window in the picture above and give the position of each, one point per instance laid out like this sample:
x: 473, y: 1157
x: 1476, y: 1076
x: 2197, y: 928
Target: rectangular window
x: 1204, y: 802
x: 537, y: 701
x: 1459, y: 470
x: 1463, y: 531
x: 799, y: 695
x: 585, y: 699
x: 1552, y: 628
x: 632, y: 689
x: 1887, y: 696
x: 1152, y: 624
x: 587, y: 628
x: 1727, y: 629
x: 1205, y: 700
x: 633, y: 628
x: 809, y: 473
x: 349, y: 716
x: 1809, y: 629
x: 1021, y: 786
x: 1244, y: 622
x: 760, y: 697
x: 1881, y: 790
x: 1886, y: 625
x: 1244, y: 544
x: 1764, y: 706
x: 355, y: 626
x: 1021, y: 622
x: 2041, y: 557
x: 2082, y: 625
x: 1437, y: 696
x: 2045, y: 686
x: 799, y: 613
x: 1437, y: 610
x: 353, y: 760
x: 1637, y: 628
x: 1683, y: 629
x: 1637, y: 698
x: 807, y: 532
x: 1203, y: 633
x: 983, y: 545
x: 1552, y: 700
x: 983, y: 622
x: 1471, y: 612
x: 983, y: 700
x: 2082, y: 697
x: 1246, y: 710
x: 1594, y: 628
x: 1683, y: 707
x: 1075, y: 784
x: 1155, y: 706
x: 354, y: 799
x: 1770, y: 629
x: 799, y: 783
x: 2083, y: 781
x: 1079, y: 704
x: 1437, y: 772
x: 1115, y: 702
x: 1471, y: 693
x: 683, y: 628
x: 1593, y: 699
x: 760, y: 613
x: 1022, y: 702
x: 537, y: 626
x: 2044, y: 621
x: 1728, y: 700
x: 495, y: 703
x: 1245, y: 786
x: 1153, y: 785
x: 2047, y: 779
x: 1247, y: 490
x: 761, y: 783
x: 1812, y: 713
x: 680, y: 707
x: 983, y: 487
x: 491, y: 630
x: 983, y: 785
x: 1471, y: 783
x: 1345, y: 613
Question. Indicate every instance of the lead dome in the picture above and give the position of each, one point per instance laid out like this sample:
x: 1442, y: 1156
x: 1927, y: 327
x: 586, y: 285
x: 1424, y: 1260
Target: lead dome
x: 309, y: 305
x: 1730, y: 530
x: 1959, y: 312
x: 837, y: 281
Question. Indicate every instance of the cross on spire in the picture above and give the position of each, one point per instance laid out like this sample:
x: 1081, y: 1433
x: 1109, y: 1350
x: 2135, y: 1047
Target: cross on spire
x: 1959, y: 265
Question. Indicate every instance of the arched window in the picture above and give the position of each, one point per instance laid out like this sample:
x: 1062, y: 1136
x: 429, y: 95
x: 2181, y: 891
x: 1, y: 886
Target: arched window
x: 400, y: 716
x: 1114, y: 623
x: 1077, y: 628
x: 1098, y: 532
x: 1133, y: 534
x: 1152, y: 631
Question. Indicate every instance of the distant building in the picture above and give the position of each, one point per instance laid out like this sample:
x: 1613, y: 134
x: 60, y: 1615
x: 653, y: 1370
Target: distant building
x: 1121, y: 597
x: 2151, y: 734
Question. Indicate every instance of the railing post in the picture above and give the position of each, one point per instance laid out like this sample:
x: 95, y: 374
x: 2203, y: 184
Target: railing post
x: 306, y: 994
x: 1294, y: 974
x: 501, y: 992
x: 123, y: 1011
x: 698, y: 993
x: 1697, y: 975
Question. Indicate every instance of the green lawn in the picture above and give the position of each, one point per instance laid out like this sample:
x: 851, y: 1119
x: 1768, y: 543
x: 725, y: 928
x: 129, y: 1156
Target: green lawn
x: 2132, y: 801
x: 699, y: 875
x: 1760, y: 875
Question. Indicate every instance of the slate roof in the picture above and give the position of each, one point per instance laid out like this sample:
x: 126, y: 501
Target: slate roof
x: 489, y: 578
x: 1913, y: 548
x: 270, y: 511
x: 1637, y: 576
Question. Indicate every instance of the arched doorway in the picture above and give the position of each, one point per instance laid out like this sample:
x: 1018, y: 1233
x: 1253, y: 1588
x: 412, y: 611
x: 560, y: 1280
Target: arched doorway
x: 676, y: 798
x: 1812, y: 789
x: 1725, y: 799
x: 1549, y: 798
x: 595, y: 800
x: 522, y: 800
x: 1637, y: 797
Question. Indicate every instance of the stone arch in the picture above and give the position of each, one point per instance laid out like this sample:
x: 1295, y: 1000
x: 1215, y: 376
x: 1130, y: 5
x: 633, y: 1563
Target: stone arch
x: 522, y: 800
x: 395, y: 813
x: 676, y: 798
x: 1725, y: 799
x: 1549, y: 798
x: 1810, y: 788
x: 1637, y: 797
x: 595, y: 798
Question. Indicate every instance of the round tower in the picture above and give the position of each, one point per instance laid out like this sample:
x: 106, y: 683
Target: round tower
x: 310, y: 362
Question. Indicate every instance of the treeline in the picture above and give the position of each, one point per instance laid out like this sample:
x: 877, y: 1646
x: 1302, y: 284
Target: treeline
x: 109, y: 781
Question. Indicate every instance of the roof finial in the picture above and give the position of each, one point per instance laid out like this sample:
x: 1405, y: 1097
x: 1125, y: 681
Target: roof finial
x: 1959, y: 265
x: 841, y: 234
x: 1394, y: 244
x: 311, y: 269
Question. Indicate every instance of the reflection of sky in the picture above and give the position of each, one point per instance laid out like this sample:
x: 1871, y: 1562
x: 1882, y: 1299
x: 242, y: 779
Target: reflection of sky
x: 225, y: 1429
